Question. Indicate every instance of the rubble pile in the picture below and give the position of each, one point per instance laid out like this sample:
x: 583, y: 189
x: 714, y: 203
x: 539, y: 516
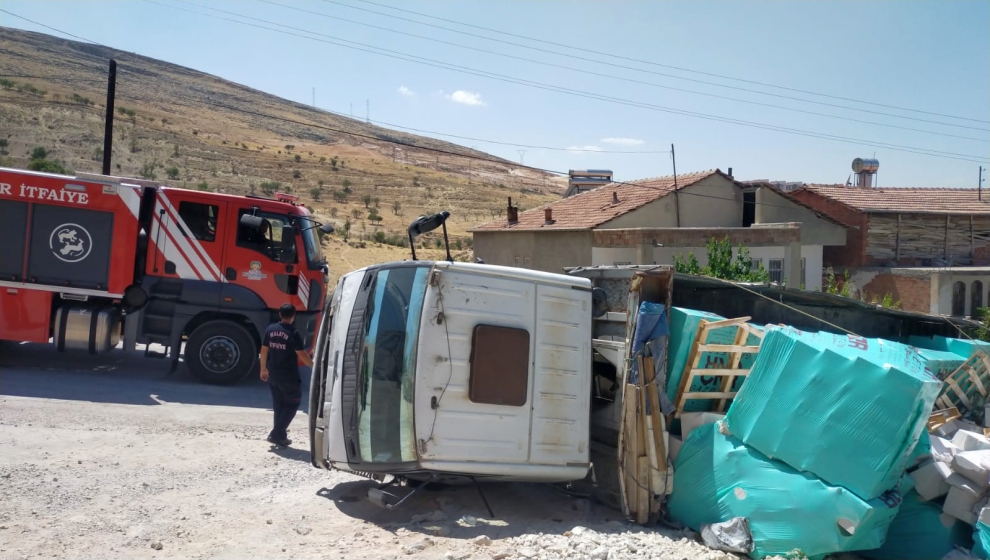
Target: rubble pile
x: 835, y: 443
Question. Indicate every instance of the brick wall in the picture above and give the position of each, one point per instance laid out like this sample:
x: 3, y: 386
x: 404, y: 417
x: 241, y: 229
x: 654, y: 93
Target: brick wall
x: 915, y: 294
x: 695, y: 237
x: 854, y: 252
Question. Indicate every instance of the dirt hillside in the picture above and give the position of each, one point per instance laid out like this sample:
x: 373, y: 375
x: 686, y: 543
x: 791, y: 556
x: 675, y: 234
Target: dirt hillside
x: 193, y: 130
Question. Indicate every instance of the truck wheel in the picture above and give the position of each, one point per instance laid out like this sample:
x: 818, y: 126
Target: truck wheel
x: 220, y: 352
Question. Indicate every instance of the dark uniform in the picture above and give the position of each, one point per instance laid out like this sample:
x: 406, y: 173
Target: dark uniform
x: 283, y: 341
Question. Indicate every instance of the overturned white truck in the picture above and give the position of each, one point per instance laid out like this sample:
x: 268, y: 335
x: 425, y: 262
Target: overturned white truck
x: 440, y: 371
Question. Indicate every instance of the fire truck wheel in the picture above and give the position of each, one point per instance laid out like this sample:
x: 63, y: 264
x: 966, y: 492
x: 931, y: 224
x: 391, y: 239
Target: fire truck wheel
x: 220, y: 352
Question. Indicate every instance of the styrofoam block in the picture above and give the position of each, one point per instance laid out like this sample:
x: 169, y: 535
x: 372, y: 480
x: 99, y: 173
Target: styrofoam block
x: 930, y: 480
x: 985, y: 516
x: 691, y: 420
x: 969, y: 441
x: 674, y: 448
x: 962, y: 498
x: 952, y: 427
x: 943, y: 449
x: 974, y: 465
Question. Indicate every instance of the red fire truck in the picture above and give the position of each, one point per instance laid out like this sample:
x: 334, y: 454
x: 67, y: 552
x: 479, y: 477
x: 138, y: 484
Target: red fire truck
x: 85, y: 258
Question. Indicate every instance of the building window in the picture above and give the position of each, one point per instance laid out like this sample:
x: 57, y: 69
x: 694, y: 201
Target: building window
x: 749, y: 209
x: 976, y: 294
x: 777, y: 270
x: 201, y: 219
x: 757, y: 263
x: 959, y: 299
x: 804, y: 275
x: 623, y: 263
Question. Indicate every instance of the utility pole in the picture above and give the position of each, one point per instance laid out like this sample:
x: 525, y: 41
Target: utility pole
x: 677, y: 200
x: 108, y: 123
x: 979, y: 185
x: 522, y: 153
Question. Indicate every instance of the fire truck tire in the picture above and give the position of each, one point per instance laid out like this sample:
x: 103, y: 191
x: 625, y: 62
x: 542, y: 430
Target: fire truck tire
x: 220, y: 352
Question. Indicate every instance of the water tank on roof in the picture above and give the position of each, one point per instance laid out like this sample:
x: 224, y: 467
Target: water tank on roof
x: 865, y: 165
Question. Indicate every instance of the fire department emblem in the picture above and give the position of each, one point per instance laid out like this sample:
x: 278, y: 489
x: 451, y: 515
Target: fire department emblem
x: 70, y: 243
x: 255, y: 272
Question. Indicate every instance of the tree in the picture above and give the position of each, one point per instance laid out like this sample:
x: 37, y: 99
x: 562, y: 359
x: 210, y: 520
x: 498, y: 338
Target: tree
x: 298, y: 158
x: 47, y: 166
x: 3, y: 146
x: 296, y: 174
x: 356, y: 213
x: 333, y: 163
x: 269, y: 187
x: 347, y: 186
x: 396, y: 207
x: 347, y: 229
x: 173, y: 173
x: 333, y: 212
x: 289, y: 147
x: 377, y: 202
x: 323, y: 159
x: 721, y: 265
x: 366, y: 199
x: 148, y: 171
x: 320, y: 184
x: 315, y: 193
x: 39, y: 153
x: 379, y: 236
x: 374, y: 216
x: 203, y: 186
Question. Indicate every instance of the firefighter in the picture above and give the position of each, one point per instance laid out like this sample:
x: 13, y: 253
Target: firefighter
x: 281, y: 352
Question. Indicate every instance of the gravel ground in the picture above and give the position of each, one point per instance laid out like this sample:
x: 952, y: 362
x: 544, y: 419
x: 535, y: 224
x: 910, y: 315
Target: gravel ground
x: 113, y: 458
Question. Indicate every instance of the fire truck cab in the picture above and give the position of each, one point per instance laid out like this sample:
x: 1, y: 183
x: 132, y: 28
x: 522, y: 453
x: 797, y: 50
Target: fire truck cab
x: 87, y: 258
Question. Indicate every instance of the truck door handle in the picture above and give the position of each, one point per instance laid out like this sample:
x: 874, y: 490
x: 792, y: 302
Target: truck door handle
x: 231, y: 274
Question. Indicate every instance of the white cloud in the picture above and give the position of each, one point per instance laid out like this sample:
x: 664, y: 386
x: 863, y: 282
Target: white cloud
x: 467, y: 98
x: 583, y: 149
x: 403, y: 90
x: 624, y: 141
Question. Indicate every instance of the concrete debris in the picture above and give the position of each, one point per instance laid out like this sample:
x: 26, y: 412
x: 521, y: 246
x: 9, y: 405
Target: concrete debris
x: 930, y: 480
x: 481, y: 540
x: 303, y: 530
x: 156, y: 545
x: 967, y: 440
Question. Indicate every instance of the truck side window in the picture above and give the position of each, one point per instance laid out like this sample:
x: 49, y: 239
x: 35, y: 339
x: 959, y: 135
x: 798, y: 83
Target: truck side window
x: 201, y: 219
x: 499, y: 366
x: 266, y: 240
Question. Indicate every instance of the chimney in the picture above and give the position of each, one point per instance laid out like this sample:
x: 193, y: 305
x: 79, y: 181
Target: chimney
x: 730, y: 172
x: 512, y: 213
x: 615, y: 197
x: 548, y: 216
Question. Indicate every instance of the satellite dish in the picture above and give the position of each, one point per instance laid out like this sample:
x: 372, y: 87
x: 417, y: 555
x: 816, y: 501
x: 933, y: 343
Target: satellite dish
x: 599, y: 302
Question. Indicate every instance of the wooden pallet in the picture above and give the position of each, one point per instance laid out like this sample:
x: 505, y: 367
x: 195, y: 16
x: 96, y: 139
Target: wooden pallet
x: 644, y: 472
x: 728, y: 374
x: 941, y: 417
x: 963, y: 385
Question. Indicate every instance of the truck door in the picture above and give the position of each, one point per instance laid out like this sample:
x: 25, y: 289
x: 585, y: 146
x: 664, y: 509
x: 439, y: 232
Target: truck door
x: 253, y: 260
x: 186, y: 239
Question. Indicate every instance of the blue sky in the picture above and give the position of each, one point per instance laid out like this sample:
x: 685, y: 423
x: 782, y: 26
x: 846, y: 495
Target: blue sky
x: 929, y: 56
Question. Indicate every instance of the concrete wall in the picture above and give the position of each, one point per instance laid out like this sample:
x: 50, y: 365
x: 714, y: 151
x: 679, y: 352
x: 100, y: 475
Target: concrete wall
x: 549, y: 251
x: 772, y: 208
x: 812, y: 254
x: 712, y: 202
x: 942, y: 288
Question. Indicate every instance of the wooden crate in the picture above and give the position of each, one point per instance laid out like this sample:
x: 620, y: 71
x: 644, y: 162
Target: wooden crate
x: 968, y: 381
x: 727, y: 375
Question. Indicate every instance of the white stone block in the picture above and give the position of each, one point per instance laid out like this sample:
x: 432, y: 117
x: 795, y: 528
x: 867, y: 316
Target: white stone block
x: 943, y: 449
x: 930, y: 480
x: 974, y: 465
x: 969, y: 441
x: 962, y: 498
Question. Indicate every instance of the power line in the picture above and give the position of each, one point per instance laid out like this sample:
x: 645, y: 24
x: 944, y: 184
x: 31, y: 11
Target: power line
x: 577, y: 93
x: 651, y: 63
x: 50, y: 28
x: 614, y: 77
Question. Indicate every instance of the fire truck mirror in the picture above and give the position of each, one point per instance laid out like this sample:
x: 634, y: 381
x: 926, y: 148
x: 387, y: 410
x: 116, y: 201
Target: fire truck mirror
x: 253, y: 222
x: 287, y: 251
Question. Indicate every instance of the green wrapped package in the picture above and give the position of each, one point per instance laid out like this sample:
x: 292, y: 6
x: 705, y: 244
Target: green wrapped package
x: 958, y: 346
x: 981, y: 541
x: 920, y: 532
x: 848, y: 409
x: 717, y: 478
x: 683, y: 330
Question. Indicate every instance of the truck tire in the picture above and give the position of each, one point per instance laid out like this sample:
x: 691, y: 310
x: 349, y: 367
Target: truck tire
x: 220, y: 352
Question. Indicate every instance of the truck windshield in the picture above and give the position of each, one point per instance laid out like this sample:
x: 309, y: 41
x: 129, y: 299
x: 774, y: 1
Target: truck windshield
x: 311, y: 239
x: 388, y: 365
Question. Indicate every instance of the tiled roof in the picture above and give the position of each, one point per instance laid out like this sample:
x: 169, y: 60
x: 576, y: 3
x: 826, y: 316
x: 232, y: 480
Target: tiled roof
x: 905, y: 200
x: 593, y: 208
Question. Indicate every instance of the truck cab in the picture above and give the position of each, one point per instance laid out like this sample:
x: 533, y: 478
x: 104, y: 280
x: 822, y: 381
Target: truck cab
x: 428, y: 369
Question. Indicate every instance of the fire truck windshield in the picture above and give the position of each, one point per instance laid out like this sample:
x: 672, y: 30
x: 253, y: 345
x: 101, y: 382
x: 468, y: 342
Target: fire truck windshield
x: 311, y: 238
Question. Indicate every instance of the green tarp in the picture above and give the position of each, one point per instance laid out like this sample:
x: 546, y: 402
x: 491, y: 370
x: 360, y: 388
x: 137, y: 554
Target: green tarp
x: 981, y: 541
x: 848, y: 409
x: 920, y: 532
x: 959, y: 346
x: 717, y: 478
